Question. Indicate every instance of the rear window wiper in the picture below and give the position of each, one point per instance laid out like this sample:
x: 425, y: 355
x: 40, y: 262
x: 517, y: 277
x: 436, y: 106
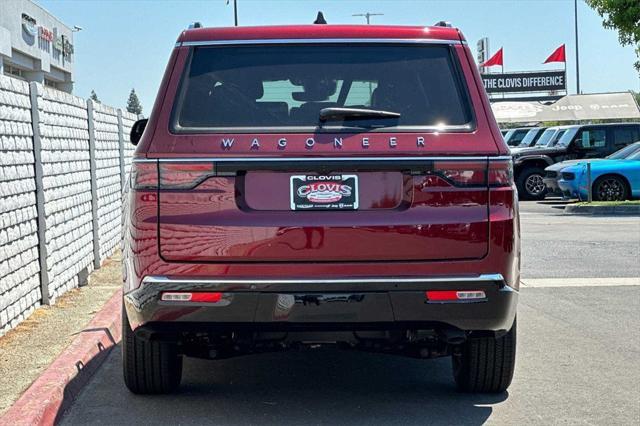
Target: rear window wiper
x: 327, y: 114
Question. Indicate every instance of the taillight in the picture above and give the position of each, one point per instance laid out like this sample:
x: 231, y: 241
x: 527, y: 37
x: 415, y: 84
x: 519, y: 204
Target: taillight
x: 184, y: 175
x: 144, y: 175
x: 500, y: 173
x: 474, y: 174
x: 462, y: 173
x: 149, y: 175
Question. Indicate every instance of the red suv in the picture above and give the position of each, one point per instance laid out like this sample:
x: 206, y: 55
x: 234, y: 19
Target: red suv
x: 320, y: 184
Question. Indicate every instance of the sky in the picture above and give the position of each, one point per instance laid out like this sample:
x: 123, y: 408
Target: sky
x: 125, y: 44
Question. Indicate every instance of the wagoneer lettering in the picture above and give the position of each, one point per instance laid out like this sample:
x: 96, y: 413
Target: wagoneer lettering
x: 338, y: 184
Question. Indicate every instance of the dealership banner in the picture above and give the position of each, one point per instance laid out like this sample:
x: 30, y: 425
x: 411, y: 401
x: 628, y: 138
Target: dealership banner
x: 601, y: 106
x: 514, y: 82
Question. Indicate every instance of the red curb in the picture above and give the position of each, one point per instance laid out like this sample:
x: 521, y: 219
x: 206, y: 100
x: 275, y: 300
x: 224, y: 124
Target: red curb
x: 56, y: 388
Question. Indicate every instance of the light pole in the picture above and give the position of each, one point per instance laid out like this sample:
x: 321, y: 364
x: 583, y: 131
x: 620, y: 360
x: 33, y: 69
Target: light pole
x: 575, y: 13
x: 235, y: 12
x: 368, y: 15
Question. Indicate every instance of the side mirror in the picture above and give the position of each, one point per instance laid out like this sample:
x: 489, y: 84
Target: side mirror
x: 137, y: 129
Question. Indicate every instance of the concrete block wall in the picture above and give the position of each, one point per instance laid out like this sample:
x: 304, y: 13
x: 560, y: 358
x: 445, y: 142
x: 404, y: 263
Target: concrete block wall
x: 67, y: 188
x: 53, y: 231
x: 107, y: 142
x: 127, y: 122
x: 19, y: 266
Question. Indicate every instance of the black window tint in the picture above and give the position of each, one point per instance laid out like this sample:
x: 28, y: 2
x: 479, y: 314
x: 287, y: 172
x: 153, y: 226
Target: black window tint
x: 623, y: 136
x: 288, y: 85
x: 592, y: 139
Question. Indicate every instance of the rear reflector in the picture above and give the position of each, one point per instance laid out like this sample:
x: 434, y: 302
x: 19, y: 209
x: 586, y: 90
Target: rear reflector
x: 454, y: 295
x: 199, y: 297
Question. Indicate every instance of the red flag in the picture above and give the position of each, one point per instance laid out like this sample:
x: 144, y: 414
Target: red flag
x: 494, y: 60
x: 557, y: 56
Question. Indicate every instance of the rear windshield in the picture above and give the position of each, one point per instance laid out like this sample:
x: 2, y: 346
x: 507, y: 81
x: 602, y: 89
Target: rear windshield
x: 634, y: 156
x: 625, y: 152
x: 242, y: 87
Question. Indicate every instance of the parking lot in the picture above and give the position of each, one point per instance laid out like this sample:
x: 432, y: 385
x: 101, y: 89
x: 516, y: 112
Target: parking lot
x: 579, y: 339
x: 555, y: 245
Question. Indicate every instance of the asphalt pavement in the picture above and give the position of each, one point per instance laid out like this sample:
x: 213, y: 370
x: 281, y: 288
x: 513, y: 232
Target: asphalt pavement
x: 577, y: 359
x: 555, y: 245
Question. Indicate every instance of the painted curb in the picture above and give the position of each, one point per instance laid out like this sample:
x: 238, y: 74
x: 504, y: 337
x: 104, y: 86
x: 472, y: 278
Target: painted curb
x: 52, y: 393
x: 633, y: 210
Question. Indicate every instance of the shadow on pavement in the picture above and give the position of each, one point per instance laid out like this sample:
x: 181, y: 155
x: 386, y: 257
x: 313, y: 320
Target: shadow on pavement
x: 324, y: 386
x: 85, y: 372
x: 557, y: 203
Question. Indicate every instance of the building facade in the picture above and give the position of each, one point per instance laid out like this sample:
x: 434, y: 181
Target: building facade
x: 35, y: 45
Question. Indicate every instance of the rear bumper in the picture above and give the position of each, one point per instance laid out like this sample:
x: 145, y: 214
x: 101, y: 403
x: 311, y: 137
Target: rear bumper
x: 384, y: 302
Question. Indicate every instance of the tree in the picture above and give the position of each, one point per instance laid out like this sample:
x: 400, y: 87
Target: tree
x: 133, y: 103
x: 624, y: 16
x: 94, y: 97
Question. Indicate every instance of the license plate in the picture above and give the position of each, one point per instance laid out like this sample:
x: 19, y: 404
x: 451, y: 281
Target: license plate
x: 328, y: 192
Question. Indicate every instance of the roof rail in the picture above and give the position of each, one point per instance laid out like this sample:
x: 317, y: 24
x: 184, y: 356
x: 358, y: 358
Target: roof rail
x: 195, y: 25
x: 443, y: 24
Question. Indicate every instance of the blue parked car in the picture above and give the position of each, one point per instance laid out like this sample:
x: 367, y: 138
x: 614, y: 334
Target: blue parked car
x: 612, y: 180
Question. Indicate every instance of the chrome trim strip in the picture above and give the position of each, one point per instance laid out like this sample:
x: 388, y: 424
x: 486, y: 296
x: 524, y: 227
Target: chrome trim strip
x: 311, y: 159
x: 450, y: 279
x: 316, y: 40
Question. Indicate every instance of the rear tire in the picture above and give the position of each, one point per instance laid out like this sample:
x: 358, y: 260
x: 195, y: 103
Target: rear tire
x: 530, y: 184
x: 150, y: 367
x: 486, y: 364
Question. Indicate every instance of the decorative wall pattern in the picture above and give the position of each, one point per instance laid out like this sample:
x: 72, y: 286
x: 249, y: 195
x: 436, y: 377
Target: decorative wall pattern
x: 50, y: 171
x: 19, y: 267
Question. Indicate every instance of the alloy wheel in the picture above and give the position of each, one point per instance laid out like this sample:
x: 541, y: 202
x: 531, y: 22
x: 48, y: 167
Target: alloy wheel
x: 534, y: 184
x: 611, y: 189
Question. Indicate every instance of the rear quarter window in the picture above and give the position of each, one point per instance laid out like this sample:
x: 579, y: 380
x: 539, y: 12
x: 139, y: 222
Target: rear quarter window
x: 239, y: 88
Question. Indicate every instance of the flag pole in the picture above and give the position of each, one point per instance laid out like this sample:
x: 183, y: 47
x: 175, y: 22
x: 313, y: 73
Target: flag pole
x: 566, y: 91
x: 235, y: 12
x: 575, y: 13
x: 502, y: 66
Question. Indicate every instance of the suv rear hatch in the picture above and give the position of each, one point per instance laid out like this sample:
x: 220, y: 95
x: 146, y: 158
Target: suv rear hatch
x: 277, y: 167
